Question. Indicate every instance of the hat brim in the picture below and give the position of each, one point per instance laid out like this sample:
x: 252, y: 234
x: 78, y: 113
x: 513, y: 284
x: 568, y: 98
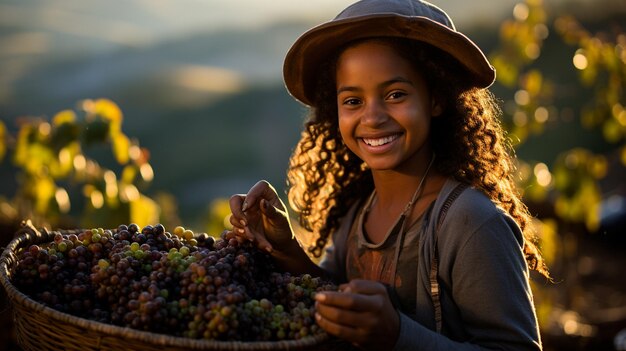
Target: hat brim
x: 302, y: 61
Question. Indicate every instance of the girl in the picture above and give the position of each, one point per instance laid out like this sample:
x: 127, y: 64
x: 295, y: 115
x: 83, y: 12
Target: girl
x: 404, y: 177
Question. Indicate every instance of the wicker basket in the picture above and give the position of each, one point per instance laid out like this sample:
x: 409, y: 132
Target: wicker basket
x: 42, y: 328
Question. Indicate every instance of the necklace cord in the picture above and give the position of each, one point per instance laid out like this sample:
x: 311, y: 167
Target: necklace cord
x: 399, y: 242
x: 403, y: 218
x: 419, y: 187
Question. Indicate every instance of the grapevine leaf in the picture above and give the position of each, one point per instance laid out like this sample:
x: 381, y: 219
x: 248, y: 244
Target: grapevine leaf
x: 144, y: 210
x: 65, y: 116
x: 121, y: 145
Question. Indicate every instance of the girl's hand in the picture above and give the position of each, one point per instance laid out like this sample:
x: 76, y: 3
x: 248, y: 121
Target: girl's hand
x: 361, y: 312
x: 261, y: 217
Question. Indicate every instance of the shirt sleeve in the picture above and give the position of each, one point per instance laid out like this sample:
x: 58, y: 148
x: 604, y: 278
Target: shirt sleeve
x: 488, y: 281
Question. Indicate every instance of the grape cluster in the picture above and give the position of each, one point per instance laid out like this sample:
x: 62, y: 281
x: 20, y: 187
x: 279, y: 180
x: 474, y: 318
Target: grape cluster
x: 179, y: 283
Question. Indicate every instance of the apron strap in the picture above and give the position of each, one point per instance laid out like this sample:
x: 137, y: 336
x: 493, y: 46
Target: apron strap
x: 434, y: 283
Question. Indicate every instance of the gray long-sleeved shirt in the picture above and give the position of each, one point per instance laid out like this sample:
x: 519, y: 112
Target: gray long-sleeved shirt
x: 486, y: 299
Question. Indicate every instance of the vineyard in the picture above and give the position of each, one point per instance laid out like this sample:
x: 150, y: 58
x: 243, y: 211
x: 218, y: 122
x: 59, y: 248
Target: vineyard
x: 562, y: 83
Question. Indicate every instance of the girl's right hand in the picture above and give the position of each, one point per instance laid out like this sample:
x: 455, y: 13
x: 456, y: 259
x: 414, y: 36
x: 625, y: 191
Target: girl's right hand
x: 360, y: 312
x: 261, y: 217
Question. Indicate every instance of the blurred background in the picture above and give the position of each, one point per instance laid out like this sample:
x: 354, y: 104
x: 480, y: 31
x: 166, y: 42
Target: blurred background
x: 154, y: 111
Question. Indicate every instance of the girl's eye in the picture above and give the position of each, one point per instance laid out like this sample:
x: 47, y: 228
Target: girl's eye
x: 351, y: 101
x: 396, y: 95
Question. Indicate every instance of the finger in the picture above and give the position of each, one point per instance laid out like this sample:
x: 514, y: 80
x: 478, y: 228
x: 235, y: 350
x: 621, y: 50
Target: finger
x: 354, y: 319
x: 240, y: 233
x: 236, y: 202
x: 259, y: 238
x: 236, y: 222
x: 254, y: 194
x: 261, y: 190
x: 271, y: 195
x: 238, y: 217
x: 238, y: 227
x: 342, y: 331
x: 350, y: 301
x: 275, y: 216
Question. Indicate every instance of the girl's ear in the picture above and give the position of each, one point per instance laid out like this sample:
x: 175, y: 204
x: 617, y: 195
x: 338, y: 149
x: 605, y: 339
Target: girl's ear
x: 436, y: 108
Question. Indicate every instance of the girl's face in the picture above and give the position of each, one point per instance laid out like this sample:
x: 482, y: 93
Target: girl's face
x: 384, y: 107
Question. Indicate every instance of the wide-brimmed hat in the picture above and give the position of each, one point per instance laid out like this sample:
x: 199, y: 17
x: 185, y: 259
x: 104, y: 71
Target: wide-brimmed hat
x: 412, y: 19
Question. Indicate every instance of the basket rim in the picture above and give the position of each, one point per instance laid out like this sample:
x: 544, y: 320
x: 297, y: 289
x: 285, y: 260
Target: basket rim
x: 8, y: 260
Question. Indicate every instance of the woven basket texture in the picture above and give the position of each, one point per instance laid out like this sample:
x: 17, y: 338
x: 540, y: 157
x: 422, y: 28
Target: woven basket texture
x: 39, y: 327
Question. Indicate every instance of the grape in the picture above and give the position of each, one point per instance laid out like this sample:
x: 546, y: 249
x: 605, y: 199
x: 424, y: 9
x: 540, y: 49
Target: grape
x: 181, y: 284
x: 179, y: 230
x: 133, y: 228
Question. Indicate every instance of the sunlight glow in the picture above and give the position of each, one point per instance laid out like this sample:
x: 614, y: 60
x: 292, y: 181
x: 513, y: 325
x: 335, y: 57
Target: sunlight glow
x: 111, y: 183
x: 80, y: 163
x: 532, y: 51
x: 109, y: 176
x: 520, y: 118
x: 65, y: 156
x: 129, y: 193
x: 522, y: 97
x: 541, y: 114
x: 580, y: 60
x: 134, y: 152
x: 520, y: 12
x: 63, y: 200
x: 207, y: 79
x: 146, y: 172
x: 541, y: 30
x: 543, y: 175
x: 570, y: 322
x: 45, y: 128
x: 97, y: 200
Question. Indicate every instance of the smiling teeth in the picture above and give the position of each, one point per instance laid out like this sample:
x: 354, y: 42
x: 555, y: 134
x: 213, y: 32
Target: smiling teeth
x: 381, y: 141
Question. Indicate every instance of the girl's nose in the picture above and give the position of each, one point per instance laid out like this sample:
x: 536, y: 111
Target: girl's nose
x: 374, y: 114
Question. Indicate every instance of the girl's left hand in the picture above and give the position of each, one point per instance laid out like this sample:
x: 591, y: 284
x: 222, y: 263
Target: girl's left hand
x: 361, y: 312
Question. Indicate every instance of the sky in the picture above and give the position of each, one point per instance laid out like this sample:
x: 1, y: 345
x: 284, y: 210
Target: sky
x: 37, y: 32
x: 137, y: 22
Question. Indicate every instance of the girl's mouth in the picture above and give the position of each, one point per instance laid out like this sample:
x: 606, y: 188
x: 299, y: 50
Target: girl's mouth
x: 380, y: 141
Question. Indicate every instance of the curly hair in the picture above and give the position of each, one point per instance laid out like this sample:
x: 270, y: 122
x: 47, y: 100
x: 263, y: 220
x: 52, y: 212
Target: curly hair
x: 323, y: 173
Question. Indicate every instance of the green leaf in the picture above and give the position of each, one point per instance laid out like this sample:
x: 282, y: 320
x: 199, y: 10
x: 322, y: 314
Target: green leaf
x: 144, y: 211
x: 44, y: 190
x: 121, y: 146
x: 65, y: 116
x: 108, y: 110
x: 129, y: 174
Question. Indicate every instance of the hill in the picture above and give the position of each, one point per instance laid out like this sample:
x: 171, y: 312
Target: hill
x: 211, y: 108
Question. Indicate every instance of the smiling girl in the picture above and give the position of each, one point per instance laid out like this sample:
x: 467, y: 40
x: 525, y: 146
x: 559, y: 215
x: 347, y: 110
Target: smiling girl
x: 404, y: 178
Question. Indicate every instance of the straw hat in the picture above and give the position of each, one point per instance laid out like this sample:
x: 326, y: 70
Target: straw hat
x: 412, y: 19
